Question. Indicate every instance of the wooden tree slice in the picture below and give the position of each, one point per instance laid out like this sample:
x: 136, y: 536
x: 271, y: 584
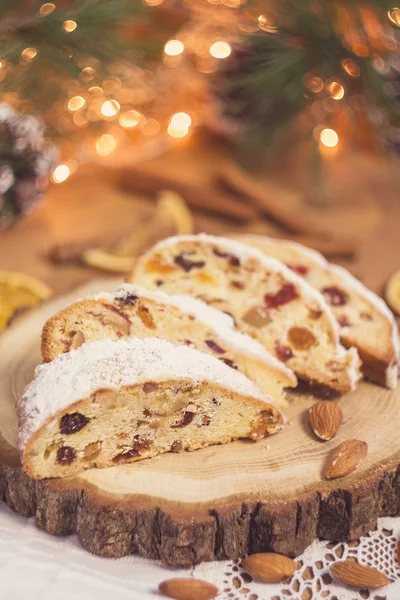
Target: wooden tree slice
x: 216, y: 503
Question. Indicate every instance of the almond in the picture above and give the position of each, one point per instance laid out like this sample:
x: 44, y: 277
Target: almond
x: 269, y: 567
x: 345, y: 458
x: 356, y: 575
x: 325, y: 419
x: 77, y: 340
x: 188, y: 589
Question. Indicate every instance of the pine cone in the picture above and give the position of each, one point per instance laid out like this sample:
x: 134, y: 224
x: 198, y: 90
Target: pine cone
x: 26, y: 161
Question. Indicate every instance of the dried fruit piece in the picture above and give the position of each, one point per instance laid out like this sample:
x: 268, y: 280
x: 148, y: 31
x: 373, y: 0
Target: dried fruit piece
x: 269, y: 567
x: 157, y: 265
x: 287, y: 293
x: 343, y: 321
x: 148, y: 388
x: 186, y: 264
x: 232, y: 259
x: 325, y: 419
x: 238, y: 285
x: 301, y: 338
x: 284, y: 353
x: 100, y: 259
x: 257, y: 316
x: 230, y: 363
x: 77, y: 340
x: 18, y: 290
x: 299, y: 269
x: 345, y: 458
x: 263, y: 426
x: 128, y: 299
x: 145, y: 316
x: 360, y: 576
x: 334, y: 296
x: 73, y: 422
x: 215, y: 347
x: 186, y: 419
x: 125, y: 456
x: 66, y: 455
x: 114, y: 317
x: 392, y: 292
x: 176, y: 446
x: 398, y: 552
x: 92, y: 450
x: 188, y: 589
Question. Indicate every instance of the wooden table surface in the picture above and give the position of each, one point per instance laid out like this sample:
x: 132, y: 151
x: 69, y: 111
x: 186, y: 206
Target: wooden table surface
x: 92, y: 205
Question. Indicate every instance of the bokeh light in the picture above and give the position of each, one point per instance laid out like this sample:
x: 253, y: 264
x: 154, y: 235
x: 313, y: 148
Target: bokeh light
x: 110, y: 108
x: 69, y: 26
x: 60, y: 173
x: 220, y: 49
x: 329, y: 138
x: 174, y: 47
x: 130, y: 118
x: 76, y: 103
x: 106, y: 144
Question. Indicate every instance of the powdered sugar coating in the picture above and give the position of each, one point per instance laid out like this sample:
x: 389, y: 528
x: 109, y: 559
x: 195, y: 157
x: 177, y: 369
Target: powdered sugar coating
x: 113, y: 364
x: 246, y: 252
x: 221, y: 323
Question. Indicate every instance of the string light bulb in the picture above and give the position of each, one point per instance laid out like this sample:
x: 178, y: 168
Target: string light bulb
x: 76, y: 103
x: 47, y: 8
x: 110, y: 108
x: 174, y: 47
x: 335, y: 89
x: 179, y: 125
x: 106, y: 144
x: 394, y: 16
x: 69, y: 26
x: 220, y: 49
x: 130, y: 118
x: 29, y: 54
x: 61, y: 173
x: 351, y: 67
x: 329, y: 138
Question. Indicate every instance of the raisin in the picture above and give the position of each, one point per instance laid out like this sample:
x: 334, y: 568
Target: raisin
x: 215, y: 347
x: 206, y: 420
x: 186, y: 420
x: 287, y: 293
x: 186, y: 264
x: 159, y: 282
x: 334, y: 296
x: 71, y: 423
x: 124, y: 456
x: 299, y: 269
x: 257, y: 316
x: 188, y: 343
x: 238, y: 285
x: 149, y: 387
x: 145, y: 317
x: 232, y: 259
x: 284, y: 353
x: 301, y: 338
x: 343, y: 321
x: 229, y: 362
x: 147, y: 413
x: 177, y: 446
x: 128, y: 299
x: 66, y: 455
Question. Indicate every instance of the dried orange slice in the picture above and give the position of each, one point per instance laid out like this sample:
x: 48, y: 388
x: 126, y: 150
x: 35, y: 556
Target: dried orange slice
x: 392, y: 292
x: 18, y: 291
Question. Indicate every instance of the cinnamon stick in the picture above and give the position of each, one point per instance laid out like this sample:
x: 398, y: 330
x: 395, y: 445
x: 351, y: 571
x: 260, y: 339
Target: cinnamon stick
x: 217, y: 202
x: 270, y: 199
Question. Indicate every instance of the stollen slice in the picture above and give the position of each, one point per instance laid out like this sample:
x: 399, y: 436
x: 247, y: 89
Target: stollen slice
x: 135, y: 311
x: 266, y: 299
x: 114, y: 402
x: 364, y: 319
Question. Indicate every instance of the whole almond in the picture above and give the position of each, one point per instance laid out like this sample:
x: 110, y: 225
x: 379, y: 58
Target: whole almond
x: 188, y: 589
x: 356, y: 575
x: 325, y: 419
x: 269, y: 567
x: 345, y: 458
x: 77, y: 340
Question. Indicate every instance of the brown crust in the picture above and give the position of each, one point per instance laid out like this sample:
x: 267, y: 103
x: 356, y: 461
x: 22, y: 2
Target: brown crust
x: 184, y: 537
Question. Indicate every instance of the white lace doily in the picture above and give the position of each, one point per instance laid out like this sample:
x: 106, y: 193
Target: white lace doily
x: 37, y: 566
